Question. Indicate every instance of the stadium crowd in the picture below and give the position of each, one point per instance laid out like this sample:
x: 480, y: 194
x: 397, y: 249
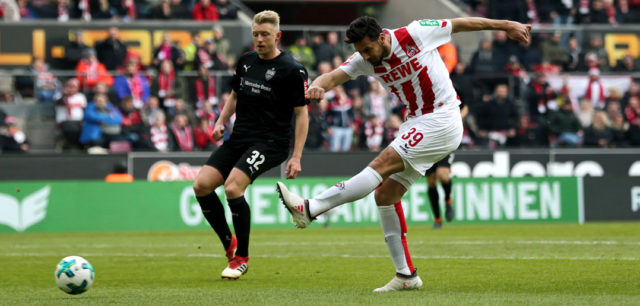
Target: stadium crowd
x: 114, y: 103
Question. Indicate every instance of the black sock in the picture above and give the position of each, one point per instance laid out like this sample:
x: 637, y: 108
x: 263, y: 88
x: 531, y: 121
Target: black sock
x: 241, y: 215
x: 447, y: 189
x: 213, y: 211
x: 433, y: 198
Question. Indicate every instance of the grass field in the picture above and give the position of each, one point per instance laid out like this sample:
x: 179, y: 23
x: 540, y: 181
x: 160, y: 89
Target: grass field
x: 500, y: 264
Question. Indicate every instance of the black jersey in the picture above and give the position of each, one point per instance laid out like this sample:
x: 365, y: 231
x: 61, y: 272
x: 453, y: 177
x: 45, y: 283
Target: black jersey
x: 267, y: 92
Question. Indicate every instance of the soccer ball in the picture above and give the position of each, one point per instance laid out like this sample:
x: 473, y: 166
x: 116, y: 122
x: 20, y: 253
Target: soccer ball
x: 74, y: 275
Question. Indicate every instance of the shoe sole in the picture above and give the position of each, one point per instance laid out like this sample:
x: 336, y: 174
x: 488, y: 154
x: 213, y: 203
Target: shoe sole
x: 295, y: 217
x: 235, y: 277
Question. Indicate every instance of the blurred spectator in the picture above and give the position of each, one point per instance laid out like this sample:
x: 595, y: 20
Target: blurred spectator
x: 565, y: 126
x: 392, y: 129
x: 528, y: 134
x: 598, y: 13
x: 26, y: 10
x: 179, y: 10
x: 463, y: 83
x: 595, y: 90
x: 205, y: 11
x: 45, y: 84
x: 483, y: 60
x: 503, y: 49
x: 163, y: 11
x: 539, y: 93
x: 74, y: 50
x: 317, y: 126
x: 626, y: 65
x: 634, y: 91
x: 167, y: 86
x: 449, y: 55
x: 601, y: 58
x: 3, y: 117
x: 181, y: 108
x: 102, y: 88
x: 497, y: 118
x: 134, y: 129
x: 90, y: 71
x: 303, y: 53
x: 340, y: 117
x: 598, y: 134
x: 190, y: 51
x: 211, y: 58
x: 206, y: 110
x: 12, y: 138
x: 168, y: 51
x: 103, y: 9
x: 632, y: 113
x: 112, y: 51
x: 516, y: 69
x: 223, y: 45
x: 226, y: 10
x: 181, y: 135
x: 619, y: 129
x: 625, y: 14
x: 515, y: 10
x: 546, y: 67
x: 132, y: 84
x: 101, y: 123
x: 119, y: 174
x: 574, y: 51
x: 340, y: 48
x: 585, y: 113
x: 151, y: 109
x: 322, y: 51
x: 159, y: 132
x: 70, y: 113
x: 375, y: 101
x: 127, y: 10
x: 374, y: 133
x: 203, y: 88
x: 552, y: 50
x: 203, y: 134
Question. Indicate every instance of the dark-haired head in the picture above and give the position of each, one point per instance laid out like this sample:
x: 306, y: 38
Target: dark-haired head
x: 362, y: 27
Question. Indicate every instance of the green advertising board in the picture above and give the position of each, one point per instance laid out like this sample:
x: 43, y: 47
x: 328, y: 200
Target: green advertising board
x: 141, y: 206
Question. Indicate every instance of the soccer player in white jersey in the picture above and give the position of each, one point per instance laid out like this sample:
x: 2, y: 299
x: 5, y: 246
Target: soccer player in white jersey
x: 407, y: 63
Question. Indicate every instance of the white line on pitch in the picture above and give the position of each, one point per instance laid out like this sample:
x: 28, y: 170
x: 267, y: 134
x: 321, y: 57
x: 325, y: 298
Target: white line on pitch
x: 587, y: 258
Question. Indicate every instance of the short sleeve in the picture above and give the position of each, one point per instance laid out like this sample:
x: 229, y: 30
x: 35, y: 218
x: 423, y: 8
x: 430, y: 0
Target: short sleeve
x: 354, y: 66
x: 235, y: 80
x: 433, y: 33
x: 299, y: 79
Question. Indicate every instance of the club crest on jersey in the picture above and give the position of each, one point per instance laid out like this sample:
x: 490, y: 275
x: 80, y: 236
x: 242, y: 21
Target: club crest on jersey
x: 270, y: 73
x: 411, y: 50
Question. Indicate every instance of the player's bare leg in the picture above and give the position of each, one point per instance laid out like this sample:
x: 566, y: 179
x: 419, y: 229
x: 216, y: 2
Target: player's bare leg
x: 208, y: 179
x: 304, y: 211
x: 394, y: 227
x: 234, y: 188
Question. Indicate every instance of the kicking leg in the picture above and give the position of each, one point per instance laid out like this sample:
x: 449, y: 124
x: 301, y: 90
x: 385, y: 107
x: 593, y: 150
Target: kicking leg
x: 357, y: 187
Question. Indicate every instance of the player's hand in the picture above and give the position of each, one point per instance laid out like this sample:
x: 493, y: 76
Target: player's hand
x: 315, y: 93
x: 519, y: 32
x: 218, y: 131
x: 293, y: 168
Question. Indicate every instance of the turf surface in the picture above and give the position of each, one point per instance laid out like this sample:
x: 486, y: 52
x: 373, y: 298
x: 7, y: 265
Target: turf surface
x: 545, y: 264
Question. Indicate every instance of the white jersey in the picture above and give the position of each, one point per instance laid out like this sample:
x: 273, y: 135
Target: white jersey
x: 413, y: 70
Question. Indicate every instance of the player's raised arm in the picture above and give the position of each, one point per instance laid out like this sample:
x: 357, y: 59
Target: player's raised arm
x: 228, y: 110
x: 325, y: 83
x: 515, y: 30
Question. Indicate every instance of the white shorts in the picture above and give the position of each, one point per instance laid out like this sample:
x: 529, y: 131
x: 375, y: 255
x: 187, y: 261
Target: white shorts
x: 423, y: 141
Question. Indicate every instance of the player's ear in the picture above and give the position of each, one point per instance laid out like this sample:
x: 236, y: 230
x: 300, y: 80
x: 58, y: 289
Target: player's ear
x: 278, y: 35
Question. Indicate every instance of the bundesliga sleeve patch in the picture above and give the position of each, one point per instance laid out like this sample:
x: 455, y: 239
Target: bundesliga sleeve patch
x: 429, y: 23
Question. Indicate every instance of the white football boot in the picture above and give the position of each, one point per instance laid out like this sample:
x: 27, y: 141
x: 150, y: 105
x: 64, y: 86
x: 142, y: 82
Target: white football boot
x: 237, y: 267
x: 296, y: 205
x: 401, y: 283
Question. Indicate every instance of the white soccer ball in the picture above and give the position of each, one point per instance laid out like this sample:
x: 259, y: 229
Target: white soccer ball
x: 74, y: 275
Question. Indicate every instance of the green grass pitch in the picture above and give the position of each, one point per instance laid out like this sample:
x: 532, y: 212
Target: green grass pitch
x: 546, y: 264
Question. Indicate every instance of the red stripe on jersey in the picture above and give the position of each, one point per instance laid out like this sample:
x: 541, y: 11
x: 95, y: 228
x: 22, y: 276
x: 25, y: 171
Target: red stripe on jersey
x: 428, y: 97
x: 444, y: 24
x: 406, y: 42
x: 394, y: 61
x: 410, y: 95
x: 379, y: 69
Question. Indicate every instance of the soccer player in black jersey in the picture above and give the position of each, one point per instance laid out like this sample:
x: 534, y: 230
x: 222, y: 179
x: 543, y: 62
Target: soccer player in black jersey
x: 268, y: 89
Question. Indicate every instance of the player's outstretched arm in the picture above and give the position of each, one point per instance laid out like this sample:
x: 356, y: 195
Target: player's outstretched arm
x: 228, y: 110
x: 515, y: 30
x: 302, y: 127
x: 325, y: 83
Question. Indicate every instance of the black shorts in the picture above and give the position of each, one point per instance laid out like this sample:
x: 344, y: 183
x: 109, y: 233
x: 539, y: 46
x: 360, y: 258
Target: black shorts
x: 250, y: 157
x: 445, y: 162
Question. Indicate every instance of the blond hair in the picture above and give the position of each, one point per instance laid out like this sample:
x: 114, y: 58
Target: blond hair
x: 268, y: 16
